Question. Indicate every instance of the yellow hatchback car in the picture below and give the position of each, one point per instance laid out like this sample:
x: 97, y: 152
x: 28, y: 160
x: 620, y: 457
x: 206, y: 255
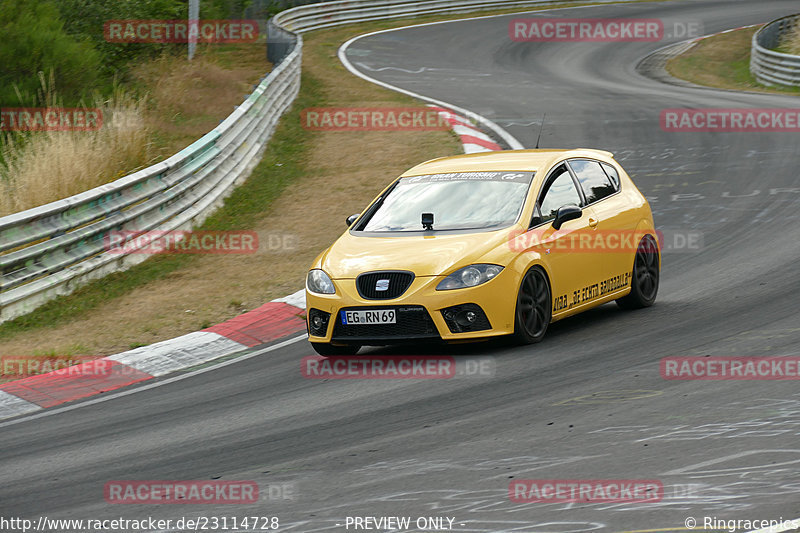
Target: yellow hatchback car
x: 482, y: 245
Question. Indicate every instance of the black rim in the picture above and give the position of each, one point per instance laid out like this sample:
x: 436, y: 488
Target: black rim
x: 534, y: 303
x: 646, y: 268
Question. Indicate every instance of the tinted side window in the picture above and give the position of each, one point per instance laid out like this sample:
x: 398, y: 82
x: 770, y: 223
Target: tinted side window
x: 560, y: 192
x: 612, y: 173
x: 593, y: 179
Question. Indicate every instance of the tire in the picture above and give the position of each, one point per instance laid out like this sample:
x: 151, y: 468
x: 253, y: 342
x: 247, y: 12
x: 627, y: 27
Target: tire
x: 534, y: 307
x: 646, y: 274
x: 333, y: 350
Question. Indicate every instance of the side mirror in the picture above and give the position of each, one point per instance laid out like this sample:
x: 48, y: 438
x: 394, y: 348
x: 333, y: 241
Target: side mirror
x: 352, y: 218
x: 565, y: 213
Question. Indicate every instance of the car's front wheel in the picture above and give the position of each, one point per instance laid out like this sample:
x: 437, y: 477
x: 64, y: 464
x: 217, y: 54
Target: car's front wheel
x: 533, y: 312
x: 332, y: 350
x: 644, y: 282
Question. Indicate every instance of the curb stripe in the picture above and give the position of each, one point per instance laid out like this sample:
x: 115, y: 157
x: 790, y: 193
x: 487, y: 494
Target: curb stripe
x: 470, y: 148
x: 452, y: 118
x: 181, y: 352
x: 11, y: 405
x: 463, y: 130
x: 297, y: 299
x: 267, y: 323
x: 74, y: 382
x: 471, y: 139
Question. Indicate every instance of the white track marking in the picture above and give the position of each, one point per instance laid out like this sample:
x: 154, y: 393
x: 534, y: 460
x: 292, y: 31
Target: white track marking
x: 507, y: 137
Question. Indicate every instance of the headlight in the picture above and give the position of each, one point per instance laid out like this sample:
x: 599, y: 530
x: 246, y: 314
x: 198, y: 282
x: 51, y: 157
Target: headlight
x: 469, y: 276
x: 318, y: 281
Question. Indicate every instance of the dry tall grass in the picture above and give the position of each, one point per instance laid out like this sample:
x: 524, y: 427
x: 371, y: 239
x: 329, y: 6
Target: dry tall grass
x: 791, y: 41
x: 47, y: 166
x: 185, y: 100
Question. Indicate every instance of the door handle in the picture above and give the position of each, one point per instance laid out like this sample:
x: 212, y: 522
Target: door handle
x: 593, y: 222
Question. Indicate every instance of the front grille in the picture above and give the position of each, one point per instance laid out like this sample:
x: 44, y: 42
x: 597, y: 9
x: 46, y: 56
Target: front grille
x: 413, y: 323
x: 393, y: 284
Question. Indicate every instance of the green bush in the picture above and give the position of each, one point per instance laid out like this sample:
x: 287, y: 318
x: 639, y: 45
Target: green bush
x: 84, y: 19
x: 34, y: 40
x: 67, y: 37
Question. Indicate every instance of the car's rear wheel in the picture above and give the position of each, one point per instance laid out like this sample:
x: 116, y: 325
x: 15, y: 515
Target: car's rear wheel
x: 333, y: 350
x: 533, y: 311
x: 646, y: 273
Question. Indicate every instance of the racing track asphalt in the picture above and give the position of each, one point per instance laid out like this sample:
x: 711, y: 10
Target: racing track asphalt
x: 588, y: 402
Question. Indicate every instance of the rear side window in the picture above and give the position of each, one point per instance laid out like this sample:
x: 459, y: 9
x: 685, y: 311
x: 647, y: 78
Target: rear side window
x: 594, y: 181
x: 612, y: 173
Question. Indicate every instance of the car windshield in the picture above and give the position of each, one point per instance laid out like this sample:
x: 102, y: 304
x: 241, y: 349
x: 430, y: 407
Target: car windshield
x: 458, y: 200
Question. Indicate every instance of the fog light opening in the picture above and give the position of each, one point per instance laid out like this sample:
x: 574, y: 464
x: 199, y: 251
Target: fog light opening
x: 318, y: 322
x: 466, y: 318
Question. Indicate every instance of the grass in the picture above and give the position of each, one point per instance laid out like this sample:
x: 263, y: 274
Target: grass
x: 722, y: 61
x: 42, y: 167
x: 154, y: 117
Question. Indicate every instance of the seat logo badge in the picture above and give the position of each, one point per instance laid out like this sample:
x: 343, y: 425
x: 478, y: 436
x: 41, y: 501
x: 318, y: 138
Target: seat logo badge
x: 382, y: 285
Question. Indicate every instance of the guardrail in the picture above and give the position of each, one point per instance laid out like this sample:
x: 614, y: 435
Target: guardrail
x: 771, y: 67
x: 329, y: 14
x: 50, y: 250
x: 53, y: 249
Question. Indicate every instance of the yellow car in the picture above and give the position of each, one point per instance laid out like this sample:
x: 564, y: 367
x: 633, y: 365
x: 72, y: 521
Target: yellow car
x: 482, y: 245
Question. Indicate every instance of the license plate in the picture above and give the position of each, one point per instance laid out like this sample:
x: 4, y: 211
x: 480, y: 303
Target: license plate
x: 377, y: 316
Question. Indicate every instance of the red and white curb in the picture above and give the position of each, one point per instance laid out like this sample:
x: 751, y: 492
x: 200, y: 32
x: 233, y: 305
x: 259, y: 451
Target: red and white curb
x: 472, y: 138
x: 271, y: 321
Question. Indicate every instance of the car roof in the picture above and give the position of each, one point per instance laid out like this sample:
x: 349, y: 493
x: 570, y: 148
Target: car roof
x: 530, y: 160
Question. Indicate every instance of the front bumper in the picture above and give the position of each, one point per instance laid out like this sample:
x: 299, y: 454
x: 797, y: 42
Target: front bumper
x: 420, y: 312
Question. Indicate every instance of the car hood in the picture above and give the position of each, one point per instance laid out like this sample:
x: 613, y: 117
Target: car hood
x: 424, y: 255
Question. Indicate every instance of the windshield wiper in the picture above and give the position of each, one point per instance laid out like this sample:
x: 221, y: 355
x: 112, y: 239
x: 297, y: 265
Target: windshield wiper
x: 374, y: 207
